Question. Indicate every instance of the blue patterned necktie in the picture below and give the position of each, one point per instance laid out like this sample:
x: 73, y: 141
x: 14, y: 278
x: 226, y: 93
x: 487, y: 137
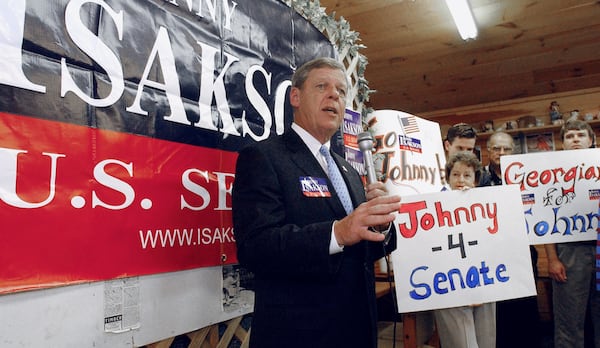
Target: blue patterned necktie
x: 337, y: 180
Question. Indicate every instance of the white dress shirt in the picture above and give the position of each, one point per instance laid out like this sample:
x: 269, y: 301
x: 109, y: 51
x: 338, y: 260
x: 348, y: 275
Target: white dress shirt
x: 314, y: 145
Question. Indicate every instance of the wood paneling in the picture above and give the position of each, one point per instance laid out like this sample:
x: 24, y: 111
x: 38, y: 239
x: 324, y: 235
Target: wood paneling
x: 525, y: 48
x: 586, y: 101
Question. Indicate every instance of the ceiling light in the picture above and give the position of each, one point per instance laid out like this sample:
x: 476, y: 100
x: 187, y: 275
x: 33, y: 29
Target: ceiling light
x: 463, y: 18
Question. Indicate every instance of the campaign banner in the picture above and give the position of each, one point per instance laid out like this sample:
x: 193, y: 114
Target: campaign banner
x: 459, y: 248
x: 560, y: 197
x: 409, y: 155
x: 351, y: 128
x: 120, y: 121
x: 79, y: 205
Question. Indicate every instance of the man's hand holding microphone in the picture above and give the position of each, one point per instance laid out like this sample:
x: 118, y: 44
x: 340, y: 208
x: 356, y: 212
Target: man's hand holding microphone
x: 372, y: 219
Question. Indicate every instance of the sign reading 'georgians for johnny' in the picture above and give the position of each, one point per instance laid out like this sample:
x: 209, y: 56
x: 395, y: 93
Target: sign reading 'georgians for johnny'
x: 560, y: 196
x: 119, y: 126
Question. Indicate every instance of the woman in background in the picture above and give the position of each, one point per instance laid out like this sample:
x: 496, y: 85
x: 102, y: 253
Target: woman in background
x: 471, y: 326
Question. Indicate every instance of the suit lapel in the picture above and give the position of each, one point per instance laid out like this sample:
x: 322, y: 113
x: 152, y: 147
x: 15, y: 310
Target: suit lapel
x: 302, y: 156
x: 309, y: 166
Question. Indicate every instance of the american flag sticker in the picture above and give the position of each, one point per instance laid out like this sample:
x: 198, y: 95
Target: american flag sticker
x: 528, y: 198
x: 409, y: 124
x: 594, y: 194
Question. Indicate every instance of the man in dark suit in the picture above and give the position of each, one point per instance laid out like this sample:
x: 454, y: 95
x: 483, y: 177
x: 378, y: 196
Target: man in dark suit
x: 312, y: 258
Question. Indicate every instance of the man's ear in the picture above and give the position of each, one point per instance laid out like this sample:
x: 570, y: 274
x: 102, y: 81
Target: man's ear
x: 446, y: 145
x: 295, y: 97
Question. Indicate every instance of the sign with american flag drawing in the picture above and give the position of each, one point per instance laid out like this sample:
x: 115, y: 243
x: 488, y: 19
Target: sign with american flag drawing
x: 409, y: 155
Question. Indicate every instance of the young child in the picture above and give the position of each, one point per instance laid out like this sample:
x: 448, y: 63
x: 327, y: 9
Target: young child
x: 471, y: 326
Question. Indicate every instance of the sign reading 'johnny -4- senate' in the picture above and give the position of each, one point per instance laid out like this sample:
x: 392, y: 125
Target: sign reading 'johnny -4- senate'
x: 119, y: 126
x: 560, y: 196
x: 460, y: 248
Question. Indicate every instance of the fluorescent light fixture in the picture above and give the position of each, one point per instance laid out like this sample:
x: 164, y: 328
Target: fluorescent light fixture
x: 463, y: 18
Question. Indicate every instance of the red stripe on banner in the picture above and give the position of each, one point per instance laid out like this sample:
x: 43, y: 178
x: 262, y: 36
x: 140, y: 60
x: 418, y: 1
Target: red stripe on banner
x: 351, y: 140
x: 317, y: 194
x: 81, y: 204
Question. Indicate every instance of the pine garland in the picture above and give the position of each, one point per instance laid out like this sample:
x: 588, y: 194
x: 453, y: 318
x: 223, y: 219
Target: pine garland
x: 344, y: 40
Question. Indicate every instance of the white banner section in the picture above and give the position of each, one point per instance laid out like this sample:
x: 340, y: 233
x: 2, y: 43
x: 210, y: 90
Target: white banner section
x: 560, y: 193
x: 409, y: 154
x: 460, y: 248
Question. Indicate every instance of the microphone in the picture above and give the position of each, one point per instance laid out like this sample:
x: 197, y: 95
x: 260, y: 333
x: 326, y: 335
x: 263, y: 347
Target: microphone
x: 365, y: 144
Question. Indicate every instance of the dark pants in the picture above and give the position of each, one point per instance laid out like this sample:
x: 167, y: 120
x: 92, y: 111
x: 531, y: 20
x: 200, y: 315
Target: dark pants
x: 518, y: 321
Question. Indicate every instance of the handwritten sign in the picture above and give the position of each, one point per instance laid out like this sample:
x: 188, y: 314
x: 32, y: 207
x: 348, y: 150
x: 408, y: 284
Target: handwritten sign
x: 560, y: 196
x: 459, y: 248
x: 409, y: 155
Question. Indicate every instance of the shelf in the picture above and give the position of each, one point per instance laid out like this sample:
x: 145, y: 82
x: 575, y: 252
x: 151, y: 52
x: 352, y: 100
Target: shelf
x: 534, y: 130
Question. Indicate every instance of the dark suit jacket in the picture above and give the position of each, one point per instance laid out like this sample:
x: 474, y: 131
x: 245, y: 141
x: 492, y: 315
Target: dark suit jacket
x: 304, y: 296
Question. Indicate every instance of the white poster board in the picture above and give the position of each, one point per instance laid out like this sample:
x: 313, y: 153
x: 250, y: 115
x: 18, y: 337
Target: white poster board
x: 410, y: 160
x: 409, y: 154
x: 460, y: 248
x: 560, y: 193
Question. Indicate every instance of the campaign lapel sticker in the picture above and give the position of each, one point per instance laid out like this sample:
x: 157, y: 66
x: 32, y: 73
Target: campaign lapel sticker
x: 314, y: 187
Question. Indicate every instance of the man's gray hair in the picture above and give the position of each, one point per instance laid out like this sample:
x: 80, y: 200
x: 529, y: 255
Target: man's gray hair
x: 301, y: 74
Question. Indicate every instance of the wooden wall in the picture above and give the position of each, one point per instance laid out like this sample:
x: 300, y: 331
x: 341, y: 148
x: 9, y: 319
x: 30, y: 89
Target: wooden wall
x: 587, y: 101
x: 418, y: 63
